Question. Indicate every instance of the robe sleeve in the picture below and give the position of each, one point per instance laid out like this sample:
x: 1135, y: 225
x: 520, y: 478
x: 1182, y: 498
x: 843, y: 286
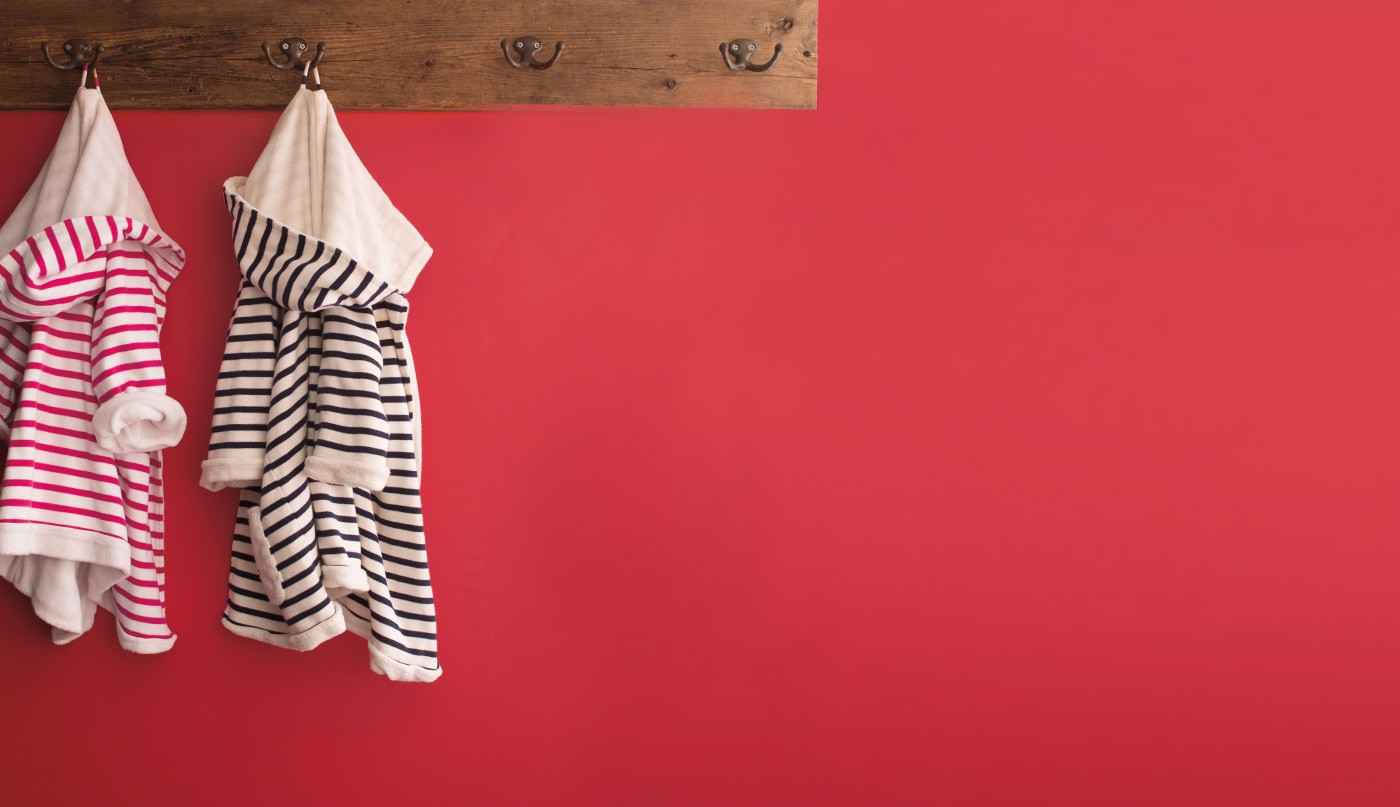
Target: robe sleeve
x: 238, y: 432
x: 134, y: 413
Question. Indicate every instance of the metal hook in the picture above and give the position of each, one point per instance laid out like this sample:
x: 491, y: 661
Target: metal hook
x: 78, y: 52
x: 738, y: 55
x: 527, y: 47
x: 294, y: 48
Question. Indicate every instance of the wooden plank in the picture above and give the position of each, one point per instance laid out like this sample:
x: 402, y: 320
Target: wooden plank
x: 413, y: 54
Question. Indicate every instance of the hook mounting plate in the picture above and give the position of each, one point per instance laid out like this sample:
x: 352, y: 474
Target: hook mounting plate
x: 293, y: 51
x: 528, y: 47
x: 78, y: 52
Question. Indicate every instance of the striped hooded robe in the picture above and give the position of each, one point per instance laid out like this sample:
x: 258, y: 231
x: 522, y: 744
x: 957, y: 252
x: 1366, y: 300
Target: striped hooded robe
x: 84, y: 271
x: 315, y: 414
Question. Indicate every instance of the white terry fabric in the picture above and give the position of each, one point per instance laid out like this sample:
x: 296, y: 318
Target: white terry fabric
x: 315, y: 414
x: 85, y: 271
x: 138, y: 422
x: 310, y: 179
x: 86, y: 174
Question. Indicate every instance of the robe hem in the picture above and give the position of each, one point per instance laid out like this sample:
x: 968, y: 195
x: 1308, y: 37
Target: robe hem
x: 144, y: 646
x: 43, y: 542
x: 382, y: 663
x: 328, y: 628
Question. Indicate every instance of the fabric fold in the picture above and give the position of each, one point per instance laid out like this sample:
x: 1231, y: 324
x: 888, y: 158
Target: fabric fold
x: 137, y: 422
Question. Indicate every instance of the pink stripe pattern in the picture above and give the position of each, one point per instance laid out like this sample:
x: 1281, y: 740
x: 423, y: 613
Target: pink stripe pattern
x: 81, y: 305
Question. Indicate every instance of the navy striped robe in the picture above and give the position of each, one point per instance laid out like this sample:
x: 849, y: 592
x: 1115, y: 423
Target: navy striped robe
x: 315, y: 419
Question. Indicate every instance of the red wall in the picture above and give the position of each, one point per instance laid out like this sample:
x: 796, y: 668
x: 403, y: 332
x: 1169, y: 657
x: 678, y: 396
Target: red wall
x: 1019, y: 428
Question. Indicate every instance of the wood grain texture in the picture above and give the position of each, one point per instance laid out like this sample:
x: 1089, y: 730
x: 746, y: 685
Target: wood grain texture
x: 413, y: 54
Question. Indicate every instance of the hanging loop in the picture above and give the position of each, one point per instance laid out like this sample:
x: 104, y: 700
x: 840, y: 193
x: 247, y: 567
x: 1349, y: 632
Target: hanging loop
x: 309, y: 71
x: 527, y: 47
x: 96, y: 82
x: 293, y: 50
x: 738, y: 55
x: 78, y: 53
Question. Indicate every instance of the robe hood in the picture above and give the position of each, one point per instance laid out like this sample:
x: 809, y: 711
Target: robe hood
x: 310, y: 181
x: 88, y: 192
x: 86, y: 175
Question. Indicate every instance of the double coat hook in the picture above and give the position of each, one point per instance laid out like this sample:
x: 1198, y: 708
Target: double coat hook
x: 79, y: 53
x: 738, y: 55
x: 527, y: 47
x: 294, y: 48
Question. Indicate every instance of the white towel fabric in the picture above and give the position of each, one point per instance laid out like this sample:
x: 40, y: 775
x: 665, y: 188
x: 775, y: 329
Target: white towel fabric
x: 316, y: 414
x: 85, y: 270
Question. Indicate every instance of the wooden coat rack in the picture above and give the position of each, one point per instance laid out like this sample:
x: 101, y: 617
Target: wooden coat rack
x: 419, y: 54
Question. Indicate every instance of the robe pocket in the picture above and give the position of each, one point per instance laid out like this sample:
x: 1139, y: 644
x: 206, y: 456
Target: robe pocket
x: 262, y: 558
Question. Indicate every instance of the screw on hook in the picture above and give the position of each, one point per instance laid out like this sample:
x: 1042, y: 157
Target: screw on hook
x: 294, y: 48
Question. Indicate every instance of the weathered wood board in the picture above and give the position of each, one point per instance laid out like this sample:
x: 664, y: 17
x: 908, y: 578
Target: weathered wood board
x: 413, y: 54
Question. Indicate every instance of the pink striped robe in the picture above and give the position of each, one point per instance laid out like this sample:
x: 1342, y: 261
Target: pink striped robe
x: 82, y: 390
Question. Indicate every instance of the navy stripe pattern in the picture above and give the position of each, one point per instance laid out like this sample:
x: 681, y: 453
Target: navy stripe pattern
x: 314, y: 420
